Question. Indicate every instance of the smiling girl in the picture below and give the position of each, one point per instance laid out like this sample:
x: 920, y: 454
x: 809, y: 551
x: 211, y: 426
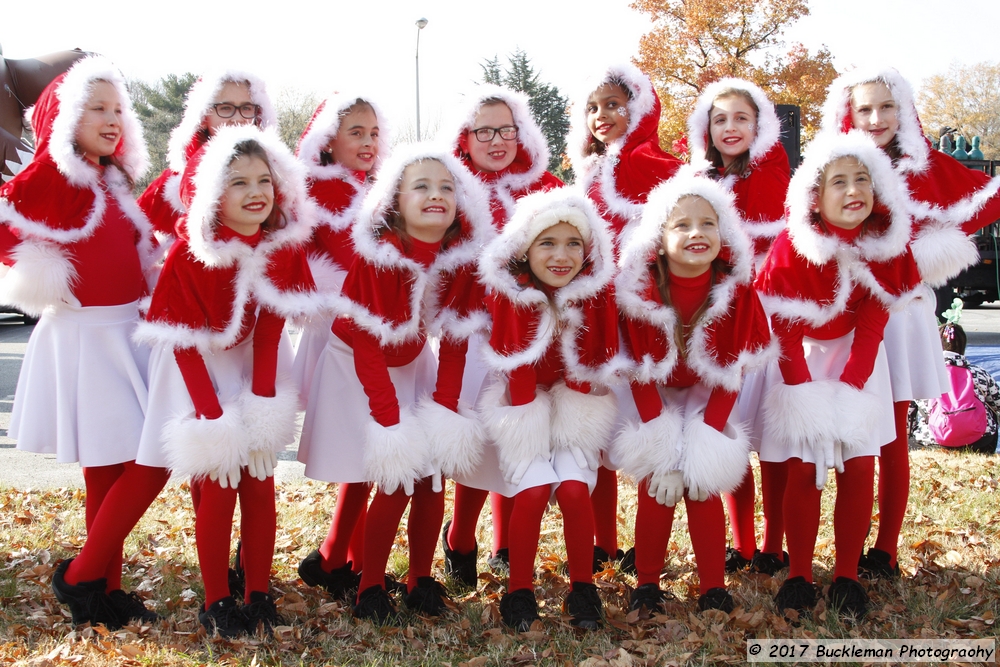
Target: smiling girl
x: 547, y: 410
x: 417, y: 238
x: 692, y: 326
x: 220, y: 405
x: 342, y: 147
x: 829, y: 282
x: 78, y: 248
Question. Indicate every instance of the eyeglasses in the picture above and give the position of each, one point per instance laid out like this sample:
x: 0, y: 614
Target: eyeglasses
x: 226, y: 110
x: 484, y: 134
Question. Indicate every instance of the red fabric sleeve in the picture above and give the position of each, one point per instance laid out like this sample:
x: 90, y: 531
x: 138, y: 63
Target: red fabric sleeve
x: 522, y: 383
x: 793, y: 359
x: 198, y: 382
x: 8, y: 241
x: 266, y: 336
x: 719, y: 407
x: 451, y: 367
x: 582, y: 387
x: 868, y: 331
x: 373, y: 372
x: 647, y: 400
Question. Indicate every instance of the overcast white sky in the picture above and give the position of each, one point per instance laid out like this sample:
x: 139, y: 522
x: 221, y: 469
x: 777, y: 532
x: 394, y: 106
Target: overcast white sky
x: 369, y: 47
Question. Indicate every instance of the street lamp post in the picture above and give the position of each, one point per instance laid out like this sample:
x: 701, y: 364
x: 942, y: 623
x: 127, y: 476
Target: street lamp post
x: 421, y: 23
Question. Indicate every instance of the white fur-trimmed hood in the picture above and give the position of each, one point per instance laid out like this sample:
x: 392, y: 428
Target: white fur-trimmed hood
x: 199, y: 102
x: 325, y: 124
x: 910, y: 136
x: 768, y: 125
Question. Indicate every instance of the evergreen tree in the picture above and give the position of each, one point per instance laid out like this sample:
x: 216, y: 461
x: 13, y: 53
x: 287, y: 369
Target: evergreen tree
x: 548, y: 106
x: 160, y: 107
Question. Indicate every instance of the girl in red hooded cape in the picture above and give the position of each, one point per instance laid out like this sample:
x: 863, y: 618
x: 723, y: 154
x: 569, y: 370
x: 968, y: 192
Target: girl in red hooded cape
x: 692, y: 326
x: 950, y: 203
x: 417, y: 238
x: 78, y: 247
x: 342, y: 147
x: 497, y: 138
x: 829, y: 283
x: 220, y: 403
x: 734, y: 128
x: 217, y: 99
x: 615, y: 149
x: 547, y: 409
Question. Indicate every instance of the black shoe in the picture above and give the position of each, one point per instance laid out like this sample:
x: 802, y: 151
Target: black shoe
x: 130, y: 607
x: 225, y: 617
x: 769, y: 564
x: 848, y: 597
x: 584, y: 605
x: 601, y: 557
x: 796, y: 593
x: 519, y: 609
x: 237, y: 577
x: 460, y: 567
x: 262, y: 614
x: 341, y: 583
x: 500, y: 561
x: 375, y: 605
x: 649, y: 597
x: 427, y: 597
x: 876, y: 564
x: 628, y: 562
x: 716, y: 598
x: 392, y: 585
x: 735, y: 562
x: 88, y: 601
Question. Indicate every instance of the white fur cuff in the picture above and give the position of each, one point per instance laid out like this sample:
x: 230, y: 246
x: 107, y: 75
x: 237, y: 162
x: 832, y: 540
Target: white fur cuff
x: 857, y: 418
x: 455, y: 439
x: 714, y: 462
x: 653, y: 446
x: 397, y: 455
x: 801, y: 415
x: 270, y: 421
x: 585, y: 421
x: 42, y: 276
x: 200, y: 447
x: 520, y: 433
x: 942, y: 254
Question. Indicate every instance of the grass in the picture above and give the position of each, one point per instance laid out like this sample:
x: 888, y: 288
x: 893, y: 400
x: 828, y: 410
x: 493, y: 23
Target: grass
x: 950, y: 589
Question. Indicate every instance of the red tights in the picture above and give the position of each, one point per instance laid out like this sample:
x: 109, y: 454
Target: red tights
x: 422, y: 527
x: 741, y: 516
x: 773, y: 477
x: 706, y: 525
x: 851, y: 514
x: 346, y: 539
x: 525, y: 527
x: 468, y: 505
x: 213, y: 533
x: 893, y: 484
x: 117, y: 497
x: 604, y: 502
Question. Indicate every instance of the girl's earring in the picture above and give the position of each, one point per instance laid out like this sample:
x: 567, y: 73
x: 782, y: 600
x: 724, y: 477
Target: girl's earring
x: 524, y: 257
x: 662, y: 251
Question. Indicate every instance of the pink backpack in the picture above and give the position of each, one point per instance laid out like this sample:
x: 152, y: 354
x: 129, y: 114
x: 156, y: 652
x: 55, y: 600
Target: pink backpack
x: 958, y: 418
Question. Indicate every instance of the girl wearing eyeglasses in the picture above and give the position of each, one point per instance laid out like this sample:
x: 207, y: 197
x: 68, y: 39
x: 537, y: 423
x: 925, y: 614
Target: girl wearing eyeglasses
x: 496, y: 137
x: 217, y: 99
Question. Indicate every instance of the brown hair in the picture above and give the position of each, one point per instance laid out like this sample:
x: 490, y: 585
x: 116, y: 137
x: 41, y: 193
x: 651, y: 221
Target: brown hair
x: 719, y: 268
x: 393, y: 219
x: 251, y: 148
x: 595, y: 146
x: 325, y: 157
x: 953, y: 338
x: 740, y: 164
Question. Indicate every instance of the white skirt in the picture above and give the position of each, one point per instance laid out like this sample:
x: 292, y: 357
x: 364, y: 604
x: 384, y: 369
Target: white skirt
x: 230, y: 370
x: 913, y: 350
x: 826, y: 360
x: 560, y: 467
x: 81, y: 393
x: 315, y: 335
x: 338, y: 414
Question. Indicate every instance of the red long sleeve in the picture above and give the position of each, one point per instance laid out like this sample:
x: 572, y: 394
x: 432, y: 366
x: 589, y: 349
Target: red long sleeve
x: 266, y: 336
x: 521, y: 384
x: 8, y: 241
x: 868, y: 331
x: 198, y: 382
x: 793, y: 359
x: 451, y: 366
x: 719, y: 407
x: 373, y: 372
x: 647, y: 400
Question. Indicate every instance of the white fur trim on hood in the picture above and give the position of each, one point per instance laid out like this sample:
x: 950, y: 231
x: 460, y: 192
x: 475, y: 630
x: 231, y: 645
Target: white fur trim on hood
x: 73, y: 93
x: 767, y: 123
x: 471, y: 202
x: 324, y: 126
x: 910, y: 135
x: 199, y: 101
x: 529, y: 134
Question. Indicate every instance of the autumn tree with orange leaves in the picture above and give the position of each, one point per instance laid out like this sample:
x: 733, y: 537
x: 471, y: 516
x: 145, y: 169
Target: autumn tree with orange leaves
x: 696, y: 42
